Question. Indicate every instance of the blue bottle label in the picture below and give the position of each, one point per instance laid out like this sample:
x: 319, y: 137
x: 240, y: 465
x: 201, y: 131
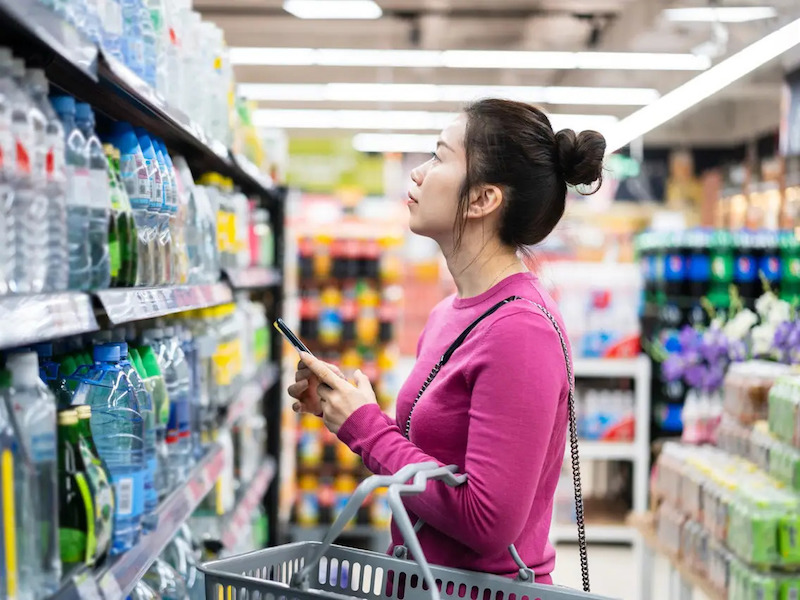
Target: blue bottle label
x: 746, y: 269
x: 43, y: 447
x: 137, y: 184
x: 151, y: 494
x: 699, y: 267
x: 674, y: 267
x: 184, y: 416
x: 771, y: 268
x: 129, y: 491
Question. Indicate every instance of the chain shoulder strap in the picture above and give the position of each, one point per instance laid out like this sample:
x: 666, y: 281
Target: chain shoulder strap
x: 573, y: 427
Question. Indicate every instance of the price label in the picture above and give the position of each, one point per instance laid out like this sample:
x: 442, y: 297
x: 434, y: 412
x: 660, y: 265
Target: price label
x: 110, y: 587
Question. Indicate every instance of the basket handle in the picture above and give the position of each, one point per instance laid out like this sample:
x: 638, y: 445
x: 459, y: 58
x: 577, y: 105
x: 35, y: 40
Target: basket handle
x: 420, y: 474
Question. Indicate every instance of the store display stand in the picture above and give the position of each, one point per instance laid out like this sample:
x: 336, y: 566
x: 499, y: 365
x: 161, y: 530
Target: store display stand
x: 637, y: 452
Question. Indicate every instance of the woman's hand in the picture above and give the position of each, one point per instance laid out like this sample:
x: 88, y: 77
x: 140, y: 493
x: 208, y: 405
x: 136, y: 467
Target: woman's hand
x: 304, y: 390
x: 338, y: 398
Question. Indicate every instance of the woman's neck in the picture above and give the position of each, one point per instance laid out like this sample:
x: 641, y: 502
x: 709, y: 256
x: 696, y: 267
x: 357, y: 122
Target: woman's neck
x: 475, y: 270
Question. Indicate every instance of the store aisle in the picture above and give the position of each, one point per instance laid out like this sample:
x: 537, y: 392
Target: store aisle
x: 613, y: 572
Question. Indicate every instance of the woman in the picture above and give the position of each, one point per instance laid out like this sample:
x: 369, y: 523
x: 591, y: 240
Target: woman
x: 498, y: 409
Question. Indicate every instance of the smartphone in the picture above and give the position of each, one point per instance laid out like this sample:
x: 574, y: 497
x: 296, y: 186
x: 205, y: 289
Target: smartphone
x: 290, y: 336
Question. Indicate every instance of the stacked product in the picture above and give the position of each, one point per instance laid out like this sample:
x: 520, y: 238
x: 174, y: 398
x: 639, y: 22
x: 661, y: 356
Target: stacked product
x: 680, y: 269
x: 348, y: 313
x: 731, y: 513
x: 114, y: 422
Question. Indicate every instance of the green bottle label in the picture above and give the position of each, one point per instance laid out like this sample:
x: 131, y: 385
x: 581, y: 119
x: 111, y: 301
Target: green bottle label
x: 722, y: 268
x: 791, y: 271
x: 72, y: 543
x: 88, y: 502
x: 103, y: 498
x: 115, y: 257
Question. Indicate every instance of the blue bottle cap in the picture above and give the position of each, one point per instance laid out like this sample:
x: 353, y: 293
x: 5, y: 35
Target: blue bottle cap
x: 84, y: 111
x: 44, y: 350
x: 63, y: 104
x: 106, y: 353
x: 123, y: 349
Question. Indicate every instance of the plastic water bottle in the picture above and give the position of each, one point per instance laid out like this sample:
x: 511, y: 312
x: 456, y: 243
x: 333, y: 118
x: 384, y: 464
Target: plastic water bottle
x: 132, y: 42
x: 112, y: 29
x: 100, y: 198
x: 9, y: 96
x: 25, y: 205
x: 56, y: 263
x: 149, y: 44
x: 154, y: 214
x: 157, y: 387
x: 168, y: 211
x: 181, y: 375
x: 34, y: 409
x: 78, y: 201
x: 118, y: 429
x: 177, y: 223
x: 138, y: 185
x: 148, y: 415
x: 11, y: 462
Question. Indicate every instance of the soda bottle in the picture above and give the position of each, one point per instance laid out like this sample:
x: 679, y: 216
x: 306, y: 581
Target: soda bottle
x: 33, y: 408
x: 55, y: 217
x: 722, y: 267
x: 698, y: 268
x: 118, y: 429
x: 78, y: 200
x: 745, y: 271
x: 99, y: 483
x: 100, y: 199
x: 76, y: 519
x: 790, y: 266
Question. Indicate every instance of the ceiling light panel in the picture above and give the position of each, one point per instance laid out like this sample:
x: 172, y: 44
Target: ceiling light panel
x: 468, y: 59
x: 333, y: 9
x: 428, y: 93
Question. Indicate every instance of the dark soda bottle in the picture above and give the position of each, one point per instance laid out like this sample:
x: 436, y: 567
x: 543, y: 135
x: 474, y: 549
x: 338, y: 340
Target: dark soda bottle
x: 745, y: 271
x: 722, y: 271
x: 698, y: 269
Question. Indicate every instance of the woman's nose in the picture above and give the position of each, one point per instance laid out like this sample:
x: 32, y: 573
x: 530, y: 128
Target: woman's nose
x: 417, y: 175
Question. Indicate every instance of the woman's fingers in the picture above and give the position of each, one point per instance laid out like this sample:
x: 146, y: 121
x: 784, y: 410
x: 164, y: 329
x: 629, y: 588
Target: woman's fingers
x: 302, y: 374
x: 296, y: 390
x: 325, y: 374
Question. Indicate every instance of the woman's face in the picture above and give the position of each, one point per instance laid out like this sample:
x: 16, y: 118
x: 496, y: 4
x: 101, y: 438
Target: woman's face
x: 433, y: 199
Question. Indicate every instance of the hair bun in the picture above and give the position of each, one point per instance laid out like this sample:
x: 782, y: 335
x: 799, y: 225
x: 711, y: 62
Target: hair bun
x: 580, y: 156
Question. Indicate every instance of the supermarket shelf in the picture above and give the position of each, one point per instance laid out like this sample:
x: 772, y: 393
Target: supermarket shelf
x: 252, y: 392
x: 593, y: 450
x: 595, y: 534
x: 38, y: 317
x: 254, y: 278
x: 239, y: 523
x: 76, y: 65
x: 135, y: 304
x: 632, y: 368
x: 116, y: 580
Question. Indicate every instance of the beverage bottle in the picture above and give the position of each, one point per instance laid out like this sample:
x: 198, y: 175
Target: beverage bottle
x: 745, y: 271
x: 76, y: 519
x: 92, y: 24
x: 132, y: 42
x: 156, y: 386
x: 10, y: 461
x: 100, y: 200
x: 118, y: 429
x: 722, y: 268
x: 167, y: 215
x: 10, y: 98
x: 56, y: 263
x: 789, y: 245
x: 158, y: 17
x: 50, y: 374
x: 139, y: 186
x: 192, y: 221
x: 145, y: 401
x: 99, y: 483
x: 33, y: 408
x: 165, y: 581
x: 180, y: 258
x: 25, y: 206
x: 78, y: 200
x: 122, y: 216
x: 112, y: 29
x: 154, y: 214
x: 149, y: 44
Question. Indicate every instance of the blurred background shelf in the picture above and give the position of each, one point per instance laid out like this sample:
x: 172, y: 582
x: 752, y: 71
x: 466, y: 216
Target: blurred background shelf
x: 240, y: 521
x: 254, y: 278
x: 29, y: 319
x: 252, y: 392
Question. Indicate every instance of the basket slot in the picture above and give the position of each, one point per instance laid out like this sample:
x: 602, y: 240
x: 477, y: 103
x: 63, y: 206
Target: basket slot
x: 344, y: 579
x: 378, y: 589
x: 449, y: 588
x: 401, y: 586
x: 334, y: 577
x: 355, y: 577
x: 366, y: 586
x: 389, y: 584
x: 323, y: 571
x: 414, y: 581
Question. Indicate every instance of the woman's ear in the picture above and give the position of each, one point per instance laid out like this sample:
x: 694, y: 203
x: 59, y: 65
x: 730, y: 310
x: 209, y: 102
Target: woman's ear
x: 484, y: 201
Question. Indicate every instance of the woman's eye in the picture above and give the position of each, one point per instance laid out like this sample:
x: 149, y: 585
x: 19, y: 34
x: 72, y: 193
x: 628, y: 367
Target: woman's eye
x: 435, y: 156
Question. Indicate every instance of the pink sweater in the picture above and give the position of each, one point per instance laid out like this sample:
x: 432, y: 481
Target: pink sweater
x: 498, y: 410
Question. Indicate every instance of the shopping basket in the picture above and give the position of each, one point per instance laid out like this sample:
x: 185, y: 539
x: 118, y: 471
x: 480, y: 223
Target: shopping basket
x: 314, y: 570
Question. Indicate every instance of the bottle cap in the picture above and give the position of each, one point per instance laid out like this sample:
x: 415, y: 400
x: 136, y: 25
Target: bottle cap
x: 24, y: 367
x: 123, y: 349
x: 84, y: 411
x: 44, y: 350
x: 63, y: 104
x: 83, y: 111
x: 68, y: 417
x: 106, y: 353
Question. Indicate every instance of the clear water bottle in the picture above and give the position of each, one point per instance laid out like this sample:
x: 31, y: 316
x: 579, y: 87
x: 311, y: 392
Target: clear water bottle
x: 56, y: 263
x: 100, y: 198
x: 112, y: 29
x: 132, y: 42
x: 148, y: 415
x: 182, y: 404
x: 149, y: 45
x: 139, y: 187
x: 78, y: 202
x: 9, y: 96
x: 154, y: 214
x: 92, y: 25
x: 177, y: 222
x: 118, y: 429
x: 154, y: 382
x: 25, y: 206
x: 168, y: 211
x: 34, y: 409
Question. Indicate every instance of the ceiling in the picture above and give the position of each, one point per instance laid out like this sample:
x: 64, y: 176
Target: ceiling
x: 744, y: 110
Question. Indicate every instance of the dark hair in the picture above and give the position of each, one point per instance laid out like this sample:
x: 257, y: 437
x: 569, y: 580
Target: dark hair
x: 512, y: 145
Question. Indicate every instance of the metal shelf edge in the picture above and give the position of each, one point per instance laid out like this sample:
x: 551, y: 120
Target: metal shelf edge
x: 612, y: 367
x: 38, y: 317
x: 135, y: 304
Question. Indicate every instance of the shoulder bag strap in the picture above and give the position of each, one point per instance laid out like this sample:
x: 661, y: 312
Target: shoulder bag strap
x: 573, y: 428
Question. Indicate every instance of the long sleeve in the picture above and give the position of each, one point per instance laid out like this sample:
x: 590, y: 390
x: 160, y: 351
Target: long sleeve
x: 518, y: 378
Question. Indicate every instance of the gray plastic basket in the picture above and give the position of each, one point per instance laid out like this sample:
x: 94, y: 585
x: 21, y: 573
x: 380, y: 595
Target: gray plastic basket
x: 316, y: 570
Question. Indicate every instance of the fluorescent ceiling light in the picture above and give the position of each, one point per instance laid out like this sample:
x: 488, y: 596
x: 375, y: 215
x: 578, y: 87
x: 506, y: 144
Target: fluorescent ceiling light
x: 394, y: 142
x: 704, y: 85
x: 428, y: 93
x: 468, y: 59
x: 398, y: 120
x: 333, y: 9
x: 723, y: 14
